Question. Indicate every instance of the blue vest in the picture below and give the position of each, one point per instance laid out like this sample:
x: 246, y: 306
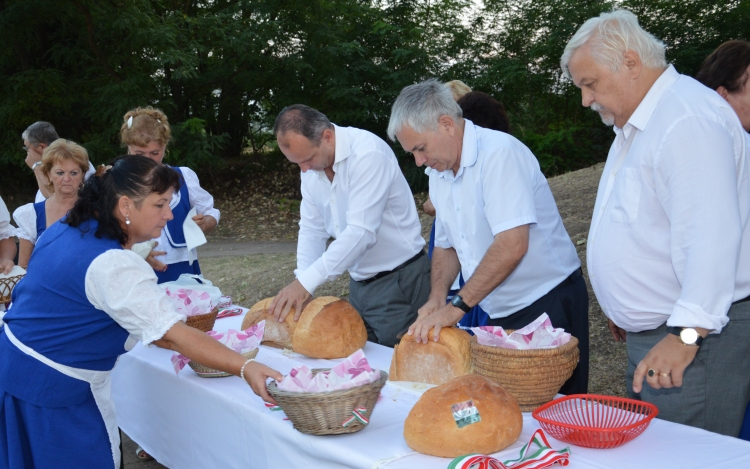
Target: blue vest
x: 41, y: 218
x: 173, y: 230
x: 51, y: 314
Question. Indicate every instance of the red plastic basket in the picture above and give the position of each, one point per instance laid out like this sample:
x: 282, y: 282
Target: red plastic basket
x: 595, y: 421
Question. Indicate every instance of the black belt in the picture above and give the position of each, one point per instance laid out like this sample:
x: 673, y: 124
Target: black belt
x: 742, y: 300
x: 578, y: 273
x: 387, y: 272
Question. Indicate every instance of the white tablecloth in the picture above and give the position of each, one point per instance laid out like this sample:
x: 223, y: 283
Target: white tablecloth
x: 190, y: 422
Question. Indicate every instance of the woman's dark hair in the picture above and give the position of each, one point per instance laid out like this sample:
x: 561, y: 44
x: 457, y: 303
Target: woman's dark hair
x: 134, y: 176
x: 726, y: 66
x: 484, y: 110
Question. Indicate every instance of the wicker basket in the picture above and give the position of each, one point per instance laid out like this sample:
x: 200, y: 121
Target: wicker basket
x: 206, y: 372
x: 324, y: 413
x: 203, y: 322
x: 6, y: 287
x: 532, y: 376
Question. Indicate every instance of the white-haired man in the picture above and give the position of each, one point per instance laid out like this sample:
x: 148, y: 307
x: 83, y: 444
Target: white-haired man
x: 496, y: 221
x: 669, y: 246
x: 354, y: 191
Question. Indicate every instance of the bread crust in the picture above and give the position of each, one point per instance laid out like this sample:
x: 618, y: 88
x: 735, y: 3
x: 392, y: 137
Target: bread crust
x: 431, y: 428
x: 277, y: 334
x: 433, y: 362
x: 329, y: 328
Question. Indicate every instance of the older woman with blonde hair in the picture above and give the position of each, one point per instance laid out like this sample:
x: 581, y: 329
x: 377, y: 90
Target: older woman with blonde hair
x: 64, y: 163
x: 146, y: 132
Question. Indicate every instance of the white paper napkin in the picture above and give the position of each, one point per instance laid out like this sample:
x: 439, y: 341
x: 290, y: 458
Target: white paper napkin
x: 13, y: 272
x: 194, y: 236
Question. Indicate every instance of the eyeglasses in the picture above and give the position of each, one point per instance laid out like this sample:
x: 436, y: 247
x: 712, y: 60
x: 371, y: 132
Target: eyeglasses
x: 25, y: 149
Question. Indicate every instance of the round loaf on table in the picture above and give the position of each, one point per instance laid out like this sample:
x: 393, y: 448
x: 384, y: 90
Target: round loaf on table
x: 277, y: 334
x: 329, y: 328
x: 433, y: 362
x: 431, y: 427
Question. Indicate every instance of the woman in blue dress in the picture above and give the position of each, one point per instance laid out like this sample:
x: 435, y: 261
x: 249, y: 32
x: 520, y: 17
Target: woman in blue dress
x: 64, y: 163
x: 146, y: 132
x: 89, y: 302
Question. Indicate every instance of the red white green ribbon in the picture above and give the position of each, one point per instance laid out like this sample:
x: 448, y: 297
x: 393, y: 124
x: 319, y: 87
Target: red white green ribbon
x: 358, y: 415
x: 542, y: 455
x: 272, y: 406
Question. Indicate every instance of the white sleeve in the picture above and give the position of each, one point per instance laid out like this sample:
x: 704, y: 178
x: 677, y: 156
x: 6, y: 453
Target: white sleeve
x: 508, y: 187
x: 90, y: 171
x: 199, y: 197
x: 6, y: 229
x: 25, y: 218
x: 370, y: 180
x: 699, y: 195
x: 123, y: 285
x: 311, y: 241
x: 39, y: 197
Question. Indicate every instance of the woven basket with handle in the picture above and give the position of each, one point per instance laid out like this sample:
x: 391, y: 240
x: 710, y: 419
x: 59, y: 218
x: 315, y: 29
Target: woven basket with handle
x: 203, y: 322
x: 329, y: 413
x: 206, y: 372
x: 6, y: 287
x: 532, y: 376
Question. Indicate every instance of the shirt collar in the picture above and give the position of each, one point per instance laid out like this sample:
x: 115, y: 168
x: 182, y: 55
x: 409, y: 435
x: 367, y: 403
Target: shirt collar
x: 468, y: 151
x: 646, y: 108
x: 343, y: 148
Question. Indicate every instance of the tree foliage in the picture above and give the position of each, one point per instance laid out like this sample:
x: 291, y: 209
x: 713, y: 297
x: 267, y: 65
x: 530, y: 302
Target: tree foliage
x: 222, y: 69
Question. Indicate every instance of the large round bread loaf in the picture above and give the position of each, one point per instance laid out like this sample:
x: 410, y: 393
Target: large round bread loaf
x: 277, y: 334
x: 431, y: 427
x: 329, y: 328
x: 433, y: 362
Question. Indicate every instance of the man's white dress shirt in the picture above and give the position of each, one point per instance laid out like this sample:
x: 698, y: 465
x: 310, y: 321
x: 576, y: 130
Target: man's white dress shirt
x: 669, y: 239
x: 498, y: 187
x: 368, y: 209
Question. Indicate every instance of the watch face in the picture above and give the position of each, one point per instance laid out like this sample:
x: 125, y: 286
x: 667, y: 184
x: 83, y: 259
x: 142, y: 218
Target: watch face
x: 689, y: 336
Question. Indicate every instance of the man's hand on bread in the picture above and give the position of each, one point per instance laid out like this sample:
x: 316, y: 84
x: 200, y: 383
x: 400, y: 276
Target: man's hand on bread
x: 291, y: 296
x: 446, y: 316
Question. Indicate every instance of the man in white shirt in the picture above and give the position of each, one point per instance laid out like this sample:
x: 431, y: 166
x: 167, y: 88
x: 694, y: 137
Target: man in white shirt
x: 496, y: 221
x: 36, y: 138
x: 353, y: 191
x: 669, y: 245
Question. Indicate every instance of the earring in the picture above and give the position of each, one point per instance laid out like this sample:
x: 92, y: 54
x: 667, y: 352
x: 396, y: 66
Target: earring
x: 127, y: 220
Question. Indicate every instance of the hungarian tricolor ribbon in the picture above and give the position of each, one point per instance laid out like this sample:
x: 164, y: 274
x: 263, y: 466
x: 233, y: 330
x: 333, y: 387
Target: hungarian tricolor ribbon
x: 536, y: 454
x: 358, y: 415
x: 272, y: 406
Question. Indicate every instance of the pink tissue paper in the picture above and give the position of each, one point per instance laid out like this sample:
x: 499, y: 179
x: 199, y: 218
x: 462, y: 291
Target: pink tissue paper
x: 539, y: 334
x: 190, y: 302
x: 352, y: 372
x: 239, y: 341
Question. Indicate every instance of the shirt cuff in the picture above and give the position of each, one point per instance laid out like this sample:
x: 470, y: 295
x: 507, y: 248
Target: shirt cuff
x: 311, y: 279
x: 691, y: 315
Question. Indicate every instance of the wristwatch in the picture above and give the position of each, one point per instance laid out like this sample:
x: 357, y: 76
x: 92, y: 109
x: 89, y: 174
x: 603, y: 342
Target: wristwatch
x: 458, y: 302
x: 33, y: 166
x: 687, y: 335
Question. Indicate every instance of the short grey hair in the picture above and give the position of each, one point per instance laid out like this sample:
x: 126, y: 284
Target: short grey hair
x: 610, y: 36
x: 40, y: 132
x: 302, y: 120
x: 420, y: 107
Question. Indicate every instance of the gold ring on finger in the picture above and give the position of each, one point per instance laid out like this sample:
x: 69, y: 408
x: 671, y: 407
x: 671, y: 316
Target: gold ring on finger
x: 666, y: 375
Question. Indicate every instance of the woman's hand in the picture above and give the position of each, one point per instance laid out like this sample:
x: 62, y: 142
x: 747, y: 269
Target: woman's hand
x: 6, y: 265
x: 155, y: 263
x: 256, y: 375
x: 205, y: 222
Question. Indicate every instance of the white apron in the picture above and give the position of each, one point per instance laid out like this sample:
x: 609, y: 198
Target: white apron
x: 101, y: 388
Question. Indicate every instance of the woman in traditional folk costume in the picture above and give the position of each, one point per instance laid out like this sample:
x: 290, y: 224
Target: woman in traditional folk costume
x: 90, y: 301
x: 146, y: 132
x: 64, y: 163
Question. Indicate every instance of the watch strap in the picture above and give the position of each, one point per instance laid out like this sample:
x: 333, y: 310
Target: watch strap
x: 458, y: 302
x: 33, y: 166
x: 677, y: 330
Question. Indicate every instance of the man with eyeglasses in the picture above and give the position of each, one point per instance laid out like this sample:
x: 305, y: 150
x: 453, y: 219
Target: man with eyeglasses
x: 36, y: 138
